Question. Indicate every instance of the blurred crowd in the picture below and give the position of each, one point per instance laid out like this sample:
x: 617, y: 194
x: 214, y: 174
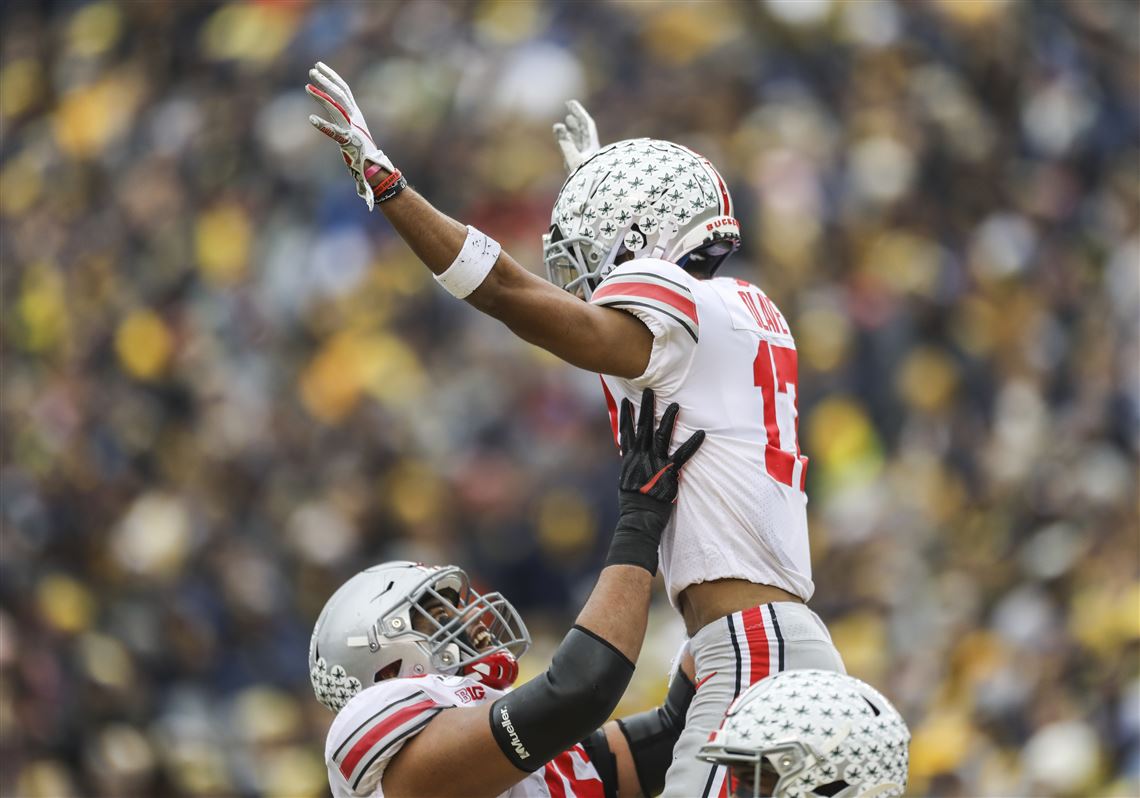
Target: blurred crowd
x: 226, y: 387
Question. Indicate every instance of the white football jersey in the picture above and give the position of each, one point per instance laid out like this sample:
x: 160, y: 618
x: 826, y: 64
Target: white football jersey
x: 372, y: 728
x: 723, y: 351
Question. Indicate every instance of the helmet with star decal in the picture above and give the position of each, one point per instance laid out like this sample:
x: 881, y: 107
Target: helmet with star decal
x: 639, y: 198
x: 809, y: 732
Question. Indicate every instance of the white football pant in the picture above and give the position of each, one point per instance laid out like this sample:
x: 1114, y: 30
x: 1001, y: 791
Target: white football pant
x: 732, y: 653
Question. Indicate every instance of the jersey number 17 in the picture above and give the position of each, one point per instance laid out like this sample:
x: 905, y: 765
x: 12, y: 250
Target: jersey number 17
x: 774, y: 373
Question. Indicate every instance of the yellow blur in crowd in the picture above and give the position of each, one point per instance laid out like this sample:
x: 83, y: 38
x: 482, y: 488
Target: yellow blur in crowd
x: 226, y: 388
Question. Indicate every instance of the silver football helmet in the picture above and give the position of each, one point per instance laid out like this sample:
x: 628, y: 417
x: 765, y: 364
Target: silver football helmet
x: 638, y: 198
x: 808, y: 732
x: 401, y: 619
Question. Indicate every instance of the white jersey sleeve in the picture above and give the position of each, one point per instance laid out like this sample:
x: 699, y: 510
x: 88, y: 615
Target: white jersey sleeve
x: 661, y: 295
x: 371, y: 730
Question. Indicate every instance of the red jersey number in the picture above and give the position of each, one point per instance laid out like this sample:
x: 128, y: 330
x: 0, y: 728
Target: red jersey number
x: 774, y: 372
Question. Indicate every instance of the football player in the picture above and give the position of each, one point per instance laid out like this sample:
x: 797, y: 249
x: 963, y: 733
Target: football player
x: 418, y: 665
x: 638, y: 231
x: 809, y: 732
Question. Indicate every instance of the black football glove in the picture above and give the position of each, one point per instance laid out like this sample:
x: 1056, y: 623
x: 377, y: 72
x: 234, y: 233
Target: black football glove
x: 649, y: 481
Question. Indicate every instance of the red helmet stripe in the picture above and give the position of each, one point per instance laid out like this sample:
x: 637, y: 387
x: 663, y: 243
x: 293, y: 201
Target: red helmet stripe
x: 723, y: 192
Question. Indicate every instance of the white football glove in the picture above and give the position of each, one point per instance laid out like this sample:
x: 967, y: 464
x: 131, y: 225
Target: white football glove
x: 350, y: 130
x: 577, y: 137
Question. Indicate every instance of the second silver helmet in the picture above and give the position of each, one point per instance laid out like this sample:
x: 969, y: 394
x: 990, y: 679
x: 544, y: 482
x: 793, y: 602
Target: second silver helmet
x: 379, y: 624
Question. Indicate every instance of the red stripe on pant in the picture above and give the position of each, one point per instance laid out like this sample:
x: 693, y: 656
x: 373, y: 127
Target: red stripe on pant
x: 757, y: 636
x: 759, y: 666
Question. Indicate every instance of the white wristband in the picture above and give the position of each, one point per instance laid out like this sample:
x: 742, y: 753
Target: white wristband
x: 472, y: 265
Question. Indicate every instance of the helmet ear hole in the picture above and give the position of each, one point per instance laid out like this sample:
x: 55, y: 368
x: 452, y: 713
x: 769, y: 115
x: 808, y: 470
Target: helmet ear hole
x: 832, y: 788
x: 704, y: 261
x: 389, y: 671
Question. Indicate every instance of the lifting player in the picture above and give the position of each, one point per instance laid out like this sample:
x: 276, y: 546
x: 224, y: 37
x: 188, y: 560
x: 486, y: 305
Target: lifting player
x: 417, y: 666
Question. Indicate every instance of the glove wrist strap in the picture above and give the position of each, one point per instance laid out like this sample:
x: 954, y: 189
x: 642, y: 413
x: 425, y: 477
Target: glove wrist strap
x: 638, y: 533
x: 472, y: 265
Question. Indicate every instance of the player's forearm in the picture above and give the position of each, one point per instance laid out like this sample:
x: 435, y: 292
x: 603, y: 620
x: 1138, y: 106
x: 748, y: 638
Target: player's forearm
x: 587, y: 675
x: 591, y: 338
x: 651, y: 735
x: 530, y: 306
x: 433, y: 236
x: 618, y: 608
x: 548, y: 317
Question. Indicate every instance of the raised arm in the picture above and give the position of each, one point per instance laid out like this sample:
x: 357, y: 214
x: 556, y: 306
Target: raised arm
x: 590, y: 669
x: 596, y: 338
x: 591, y: 337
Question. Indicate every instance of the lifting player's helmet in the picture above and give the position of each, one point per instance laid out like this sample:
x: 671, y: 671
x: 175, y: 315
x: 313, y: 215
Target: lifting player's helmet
x: 366, y: 630
x: 644, y: 197
x: 813, y: 733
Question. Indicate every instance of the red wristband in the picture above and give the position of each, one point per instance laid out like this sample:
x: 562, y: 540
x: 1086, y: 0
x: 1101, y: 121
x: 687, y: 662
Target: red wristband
x: 386, y: 183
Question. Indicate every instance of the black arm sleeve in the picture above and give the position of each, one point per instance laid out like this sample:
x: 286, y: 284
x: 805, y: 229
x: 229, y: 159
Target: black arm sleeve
x: 558, y: 708
x: 598, y: 750
x: 653, y: 734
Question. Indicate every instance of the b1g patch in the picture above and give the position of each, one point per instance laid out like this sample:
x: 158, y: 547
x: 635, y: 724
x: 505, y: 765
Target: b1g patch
x: 471, y: 693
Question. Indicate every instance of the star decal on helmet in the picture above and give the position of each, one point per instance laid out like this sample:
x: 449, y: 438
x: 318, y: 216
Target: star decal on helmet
x: 623, y: 185
x: 333, y: 686
x: 812, y: 752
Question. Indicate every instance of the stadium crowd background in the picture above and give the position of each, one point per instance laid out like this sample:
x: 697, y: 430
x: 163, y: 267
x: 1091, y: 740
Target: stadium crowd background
x: 226, y: 387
